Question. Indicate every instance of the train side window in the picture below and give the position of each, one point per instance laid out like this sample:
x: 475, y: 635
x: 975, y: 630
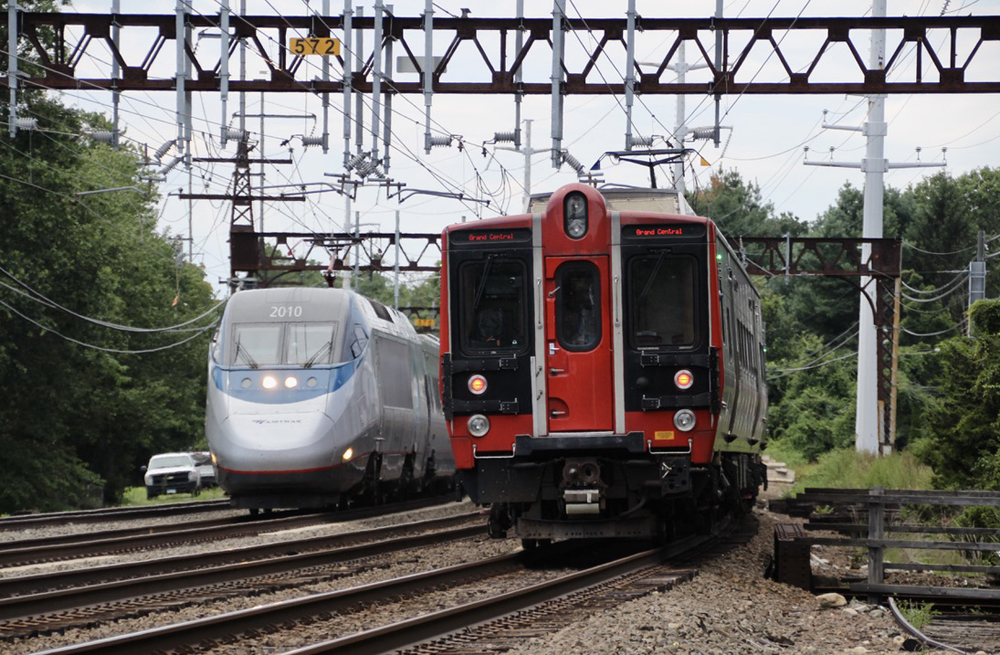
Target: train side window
x: 256, y: 345
x: 493, y: 299
x: 662, y: 298
x: 359, y: 342
x: 578, y: 325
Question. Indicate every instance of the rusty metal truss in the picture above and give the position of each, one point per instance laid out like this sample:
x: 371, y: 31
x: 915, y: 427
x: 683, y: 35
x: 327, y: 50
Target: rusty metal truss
x: 876, y: 263
x: 831, y: 257
x: 376, y: 251
x: 952, y: 54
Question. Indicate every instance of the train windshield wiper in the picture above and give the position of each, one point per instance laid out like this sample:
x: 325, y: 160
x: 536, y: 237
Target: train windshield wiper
x: 319, y: 353
x: 482, y: 283
x: 246, y: 355
x: 652, y: 276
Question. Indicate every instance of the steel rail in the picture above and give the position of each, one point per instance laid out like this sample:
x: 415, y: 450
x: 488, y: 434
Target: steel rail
x: 110, y: 514
x: 221, y: 626
x: 219, y: 567
x: 24, y: 552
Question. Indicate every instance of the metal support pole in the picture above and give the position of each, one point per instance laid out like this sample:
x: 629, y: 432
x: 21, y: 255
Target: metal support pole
x: 182, y: 71
x: 977, y: 276
x: 894, y: 374
x: 387, y: 114
x: 519, y: 75
x: 359, y: 105
x: 558, y: 47
x: 428, y: 71
x: 223, y: 69
x: 357, y: 248
x: 874, y: 167
x: 629, y: 73
x: 395, y: 284
x: 376, y: 79
x: 326, y: 95
x: 12, y: 64
x: 348, y: 34
x: 116, y: 32
x: 718, y: 66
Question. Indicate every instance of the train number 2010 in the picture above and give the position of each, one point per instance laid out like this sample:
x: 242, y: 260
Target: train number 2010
x: 282, y: 311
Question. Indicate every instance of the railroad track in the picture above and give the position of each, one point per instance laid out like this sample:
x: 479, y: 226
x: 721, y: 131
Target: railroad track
x: 560, y: 598
x: 111, y: 514
x: 967, y: 629
x: 110, y: 542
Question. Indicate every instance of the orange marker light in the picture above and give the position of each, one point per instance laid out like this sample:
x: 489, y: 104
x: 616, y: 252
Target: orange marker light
x: 477, y: 384
x: 683, y: 379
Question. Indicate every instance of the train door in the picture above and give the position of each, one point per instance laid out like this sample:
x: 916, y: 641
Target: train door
x: 578, y: 345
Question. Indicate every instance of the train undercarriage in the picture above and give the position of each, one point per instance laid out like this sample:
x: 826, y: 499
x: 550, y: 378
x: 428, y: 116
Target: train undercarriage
x: 585, y: 496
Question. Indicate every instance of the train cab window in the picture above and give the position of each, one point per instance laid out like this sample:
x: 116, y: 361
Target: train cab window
x: 256, y: 345
x: 493, y: 299
x: 310, y: 343
x: 662, y: 293
x: 578, y: 325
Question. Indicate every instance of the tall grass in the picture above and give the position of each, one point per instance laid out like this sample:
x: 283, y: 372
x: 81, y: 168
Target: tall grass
x: 849, y: 469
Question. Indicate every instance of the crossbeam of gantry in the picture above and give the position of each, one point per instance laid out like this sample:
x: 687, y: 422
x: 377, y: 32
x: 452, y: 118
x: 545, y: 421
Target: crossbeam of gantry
x: 954, y: 54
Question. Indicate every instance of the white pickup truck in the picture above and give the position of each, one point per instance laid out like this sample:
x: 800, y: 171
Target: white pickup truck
x: 171, y: 473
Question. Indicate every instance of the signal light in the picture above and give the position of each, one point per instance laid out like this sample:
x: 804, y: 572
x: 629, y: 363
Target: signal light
x: 269, y: 382
x: 291, y: 383
x: 477, y: 384
x: 683, y: 379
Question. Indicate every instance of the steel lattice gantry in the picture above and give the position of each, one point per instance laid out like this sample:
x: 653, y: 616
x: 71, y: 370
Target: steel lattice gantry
x: 950, y: 54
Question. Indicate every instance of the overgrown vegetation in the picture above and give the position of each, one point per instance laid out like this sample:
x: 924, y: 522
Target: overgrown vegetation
x: 916, y: 613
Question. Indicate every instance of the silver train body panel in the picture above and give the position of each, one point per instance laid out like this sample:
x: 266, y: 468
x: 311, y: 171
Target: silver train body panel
x: 314, y: 393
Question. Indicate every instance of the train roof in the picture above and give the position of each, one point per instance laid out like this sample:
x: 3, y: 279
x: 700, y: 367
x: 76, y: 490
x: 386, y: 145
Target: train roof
x: 632, y: 199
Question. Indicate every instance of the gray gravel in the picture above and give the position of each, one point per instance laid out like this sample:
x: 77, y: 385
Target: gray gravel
x: 729, y: 607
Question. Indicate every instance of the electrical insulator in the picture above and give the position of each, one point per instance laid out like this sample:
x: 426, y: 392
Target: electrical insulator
x: 162, y: 150
x: 312, y: 141
x: 441, y: 141
x: 233, y: 134
x: 26, y: 123
x: 102, y: 136
x: 573, y: 162
x: 642, y: 141
x: 703, y: 133
x: 173, y: 164
x: 356, y: 161
x: 504, y: 137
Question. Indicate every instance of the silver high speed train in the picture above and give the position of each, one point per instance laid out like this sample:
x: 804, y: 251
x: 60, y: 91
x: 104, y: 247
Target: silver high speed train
x: 318, y: 397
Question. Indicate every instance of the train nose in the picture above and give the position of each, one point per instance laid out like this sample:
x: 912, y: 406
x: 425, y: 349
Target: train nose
x: 277, y: 442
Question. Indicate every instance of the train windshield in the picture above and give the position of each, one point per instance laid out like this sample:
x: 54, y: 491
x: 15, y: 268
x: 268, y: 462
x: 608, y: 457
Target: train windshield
x: 309, y: 344
x: 662, y: 294
x: 294, y: 344
x: 493, y: 300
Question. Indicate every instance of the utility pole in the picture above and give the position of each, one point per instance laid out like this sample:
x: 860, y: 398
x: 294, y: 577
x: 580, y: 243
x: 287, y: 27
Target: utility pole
x: 977, y: 276
x: 869, y: 432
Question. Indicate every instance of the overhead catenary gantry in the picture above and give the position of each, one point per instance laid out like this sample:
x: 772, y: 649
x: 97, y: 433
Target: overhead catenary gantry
x: 954, y: 54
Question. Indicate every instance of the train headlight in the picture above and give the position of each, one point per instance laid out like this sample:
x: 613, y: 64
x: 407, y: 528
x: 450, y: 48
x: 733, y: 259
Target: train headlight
x: 348, y: 454
x: 684, y: 420
x: 291, y: 383
x: 269, y: 382
x: 477, y: 384
x: 575, y: 215
x: 478, y: 425
x: 683, y: 379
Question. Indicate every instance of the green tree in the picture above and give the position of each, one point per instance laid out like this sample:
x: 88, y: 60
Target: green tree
x: 963, y: 442
x: 81, y: 414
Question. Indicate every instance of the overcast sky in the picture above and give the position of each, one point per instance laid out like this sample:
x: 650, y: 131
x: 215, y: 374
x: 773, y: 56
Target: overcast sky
x: 765, y: 143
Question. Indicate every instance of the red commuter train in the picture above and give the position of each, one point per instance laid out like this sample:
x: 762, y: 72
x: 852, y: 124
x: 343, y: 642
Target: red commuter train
x: 602, y: 367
